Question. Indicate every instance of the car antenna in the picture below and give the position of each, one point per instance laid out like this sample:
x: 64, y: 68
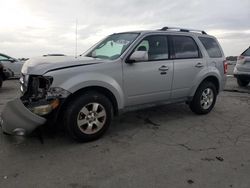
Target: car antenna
x: 76, y: 40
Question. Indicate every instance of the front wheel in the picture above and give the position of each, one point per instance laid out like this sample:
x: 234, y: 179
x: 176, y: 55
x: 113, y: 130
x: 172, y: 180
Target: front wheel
x: 88, y: 116
x: 242, y: 83
x: 204, y: 98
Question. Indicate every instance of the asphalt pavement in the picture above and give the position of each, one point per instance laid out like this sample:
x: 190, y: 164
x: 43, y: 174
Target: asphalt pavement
x: 166, y: 146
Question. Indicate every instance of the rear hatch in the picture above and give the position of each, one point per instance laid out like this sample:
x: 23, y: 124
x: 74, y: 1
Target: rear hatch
x: 243, y: 61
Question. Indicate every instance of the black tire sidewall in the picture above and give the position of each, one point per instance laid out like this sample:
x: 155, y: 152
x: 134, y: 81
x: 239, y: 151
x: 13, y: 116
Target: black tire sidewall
x: 242, y: 83
x: 1, y: 81
x: 195, y: 104
x: 76, y: 105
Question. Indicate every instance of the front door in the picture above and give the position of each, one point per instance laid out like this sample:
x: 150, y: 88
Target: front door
x: 149, y: 81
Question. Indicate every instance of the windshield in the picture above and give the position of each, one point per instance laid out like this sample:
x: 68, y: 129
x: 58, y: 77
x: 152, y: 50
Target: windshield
x: 113, y: 46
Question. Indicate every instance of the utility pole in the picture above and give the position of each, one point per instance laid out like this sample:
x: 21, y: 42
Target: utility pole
x: 76, y: 41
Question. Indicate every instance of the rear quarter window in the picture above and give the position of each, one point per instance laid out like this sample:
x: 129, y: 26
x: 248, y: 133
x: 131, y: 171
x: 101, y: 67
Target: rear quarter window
x: 211, y: 46
x: 246, y: 52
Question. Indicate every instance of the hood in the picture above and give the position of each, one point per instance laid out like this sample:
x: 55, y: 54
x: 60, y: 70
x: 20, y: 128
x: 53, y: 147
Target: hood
x: 41, y: 65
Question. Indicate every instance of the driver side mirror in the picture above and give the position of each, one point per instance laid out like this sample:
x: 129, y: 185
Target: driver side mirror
x: 93, y: 54
x: 138, y: 56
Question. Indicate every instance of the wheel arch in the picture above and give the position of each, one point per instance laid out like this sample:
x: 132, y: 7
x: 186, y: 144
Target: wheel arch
x: 214, y: 80
x: 102, y: 90
x: 1, y: 72
x: 209, y: 78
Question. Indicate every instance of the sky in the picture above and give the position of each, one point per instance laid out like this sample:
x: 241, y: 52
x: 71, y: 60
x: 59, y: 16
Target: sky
x: 31, y: 28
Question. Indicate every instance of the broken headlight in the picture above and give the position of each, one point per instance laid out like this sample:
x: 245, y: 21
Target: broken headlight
x: 58, y: 92
x: 24, y: 83
x: 37, y: 87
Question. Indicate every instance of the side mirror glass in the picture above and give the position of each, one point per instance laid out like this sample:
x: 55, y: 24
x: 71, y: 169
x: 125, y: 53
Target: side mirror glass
x: 138, y: 56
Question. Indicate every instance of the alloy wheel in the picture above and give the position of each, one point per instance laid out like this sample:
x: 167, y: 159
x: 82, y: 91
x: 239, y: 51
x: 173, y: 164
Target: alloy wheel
x: 207, y: 98
x: 91, y: 118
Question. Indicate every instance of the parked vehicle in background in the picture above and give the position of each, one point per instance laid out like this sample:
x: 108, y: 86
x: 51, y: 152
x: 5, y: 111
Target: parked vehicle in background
x: 1, y: 75
x: 242, y: 68
x: 122, y: 71
x: 4, y: 74
x: 23, y: 59
x: 11, y: 65
x: 46, y: 55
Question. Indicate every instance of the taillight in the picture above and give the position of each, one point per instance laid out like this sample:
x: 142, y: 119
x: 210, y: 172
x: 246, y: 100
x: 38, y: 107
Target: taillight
x: 225, y: 66
x: 241, y: 59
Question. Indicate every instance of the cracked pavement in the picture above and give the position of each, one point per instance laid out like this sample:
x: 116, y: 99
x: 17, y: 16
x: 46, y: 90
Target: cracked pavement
x: 166, y: 146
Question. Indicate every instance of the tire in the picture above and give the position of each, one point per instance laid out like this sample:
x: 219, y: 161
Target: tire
x: 204, y: 98
x: 1, y: 81
x: 242, y: 83
x: 81, y: 117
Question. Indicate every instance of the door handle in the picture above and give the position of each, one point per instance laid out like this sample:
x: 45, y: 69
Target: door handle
x: 163, y: 68
x: 199, y: 65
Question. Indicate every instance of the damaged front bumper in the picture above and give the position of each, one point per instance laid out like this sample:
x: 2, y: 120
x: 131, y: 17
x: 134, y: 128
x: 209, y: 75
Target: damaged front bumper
x: 16, y: 119
x: 38, y: 103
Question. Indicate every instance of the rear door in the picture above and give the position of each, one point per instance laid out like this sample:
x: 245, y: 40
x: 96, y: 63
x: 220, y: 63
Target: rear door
x: 149, y: 81
x: 244, y: 61
x: 188, y: 62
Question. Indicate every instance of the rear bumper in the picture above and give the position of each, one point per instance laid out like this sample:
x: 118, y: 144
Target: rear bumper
x: 16, y: 119
x: 238, y: 70
x: 241, y: 74
x: 223, y: 83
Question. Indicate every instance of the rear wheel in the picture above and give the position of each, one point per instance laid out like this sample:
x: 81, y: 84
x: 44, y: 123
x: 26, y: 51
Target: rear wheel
x: 1, y: 81
x: 242, y: 83
x: 204, y: 98
x: 88, y: 116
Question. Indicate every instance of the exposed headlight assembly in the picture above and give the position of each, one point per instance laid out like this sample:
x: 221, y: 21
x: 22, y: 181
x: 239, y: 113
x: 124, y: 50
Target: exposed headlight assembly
x: 39, y: 86
x: 24, y: 83
x: 58, y: 92
x: 35, y: 87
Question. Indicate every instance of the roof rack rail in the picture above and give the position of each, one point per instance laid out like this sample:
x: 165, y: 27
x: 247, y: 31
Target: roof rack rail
x: 183, y: 30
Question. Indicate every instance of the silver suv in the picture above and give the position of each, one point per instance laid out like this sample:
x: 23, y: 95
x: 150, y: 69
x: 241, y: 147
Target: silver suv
x: 123, y: 70
x: 242, y: 68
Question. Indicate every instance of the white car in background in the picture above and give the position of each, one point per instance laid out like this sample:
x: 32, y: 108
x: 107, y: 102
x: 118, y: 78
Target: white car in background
x: 11, y: 65
x: 242, y: 68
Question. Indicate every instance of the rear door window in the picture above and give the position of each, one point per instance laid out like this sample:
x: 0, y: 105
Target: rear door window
x: 211, y: 46
x: 185, y: 47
